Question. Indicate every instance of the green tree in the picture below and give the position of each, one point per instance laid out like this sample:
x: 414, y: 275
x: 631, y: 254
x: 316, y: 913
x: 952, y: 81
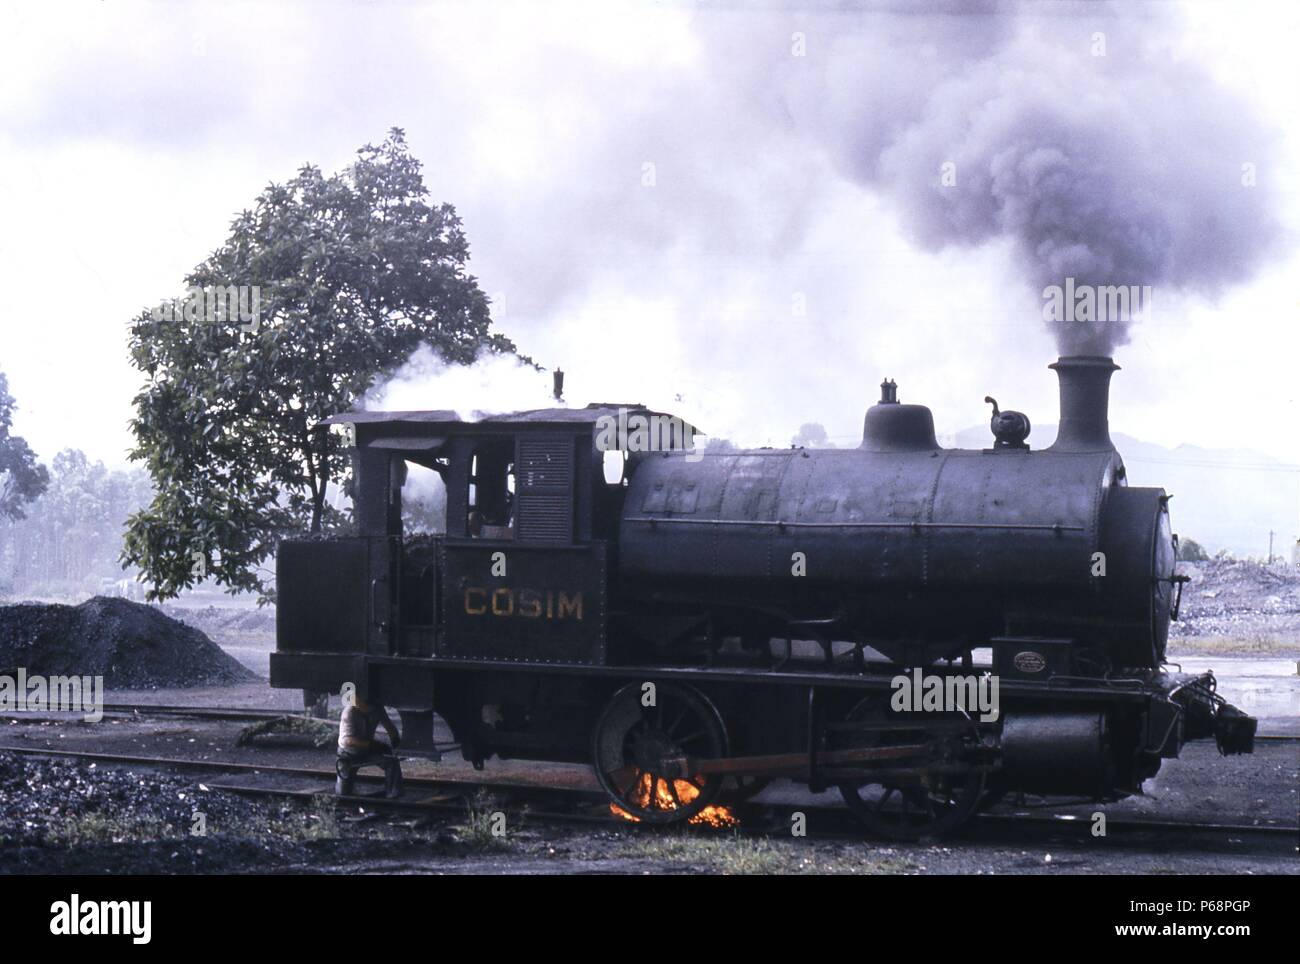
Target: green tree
x: 1189, y: 550
x: 70, y: 541
x: 22, y: 478
x: 812, y: 435
x: 351, y: 273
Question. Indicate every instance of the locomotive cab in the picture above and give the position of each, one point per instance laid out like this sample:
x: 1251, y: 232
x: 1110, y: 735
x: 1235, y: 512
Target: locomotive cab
x: 475, y: 541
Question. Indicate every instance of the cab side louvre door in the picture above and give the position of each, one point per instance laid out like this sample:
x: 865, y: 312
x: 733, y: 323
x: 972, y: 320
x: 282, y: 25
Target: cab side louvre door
x: 544, y: 474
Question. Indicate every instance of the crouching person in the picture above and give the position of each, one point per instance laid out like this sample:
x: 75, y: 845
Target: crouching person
x: 358, y: 747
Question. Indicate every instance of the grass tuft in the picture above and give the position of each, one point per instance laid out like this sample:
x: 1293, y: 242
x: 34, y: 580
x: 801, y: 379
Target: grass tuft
x: 735, y: 854
x: 483, y: 826
x: 101, y: 828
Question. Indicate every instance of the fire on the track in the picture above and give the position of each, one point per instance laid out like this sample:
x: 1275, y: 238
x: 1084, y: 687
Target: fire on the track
x: 654, y: 793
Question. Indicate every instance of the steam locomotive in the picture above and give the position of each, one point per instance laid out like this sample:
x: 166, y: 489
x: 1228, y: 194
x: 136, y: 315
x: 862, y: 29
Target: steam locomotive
x: 696, y: 623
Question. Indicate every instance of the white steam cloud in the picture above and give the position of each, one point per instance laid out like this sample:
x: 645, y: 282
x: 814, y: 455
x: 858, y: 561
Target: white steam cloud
x: 494, y: 384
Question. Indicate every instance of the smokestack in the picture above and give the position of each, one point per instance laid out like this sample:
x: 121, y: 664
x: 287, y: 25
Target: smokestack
x: 1085, y: 399
x: 557, y: 382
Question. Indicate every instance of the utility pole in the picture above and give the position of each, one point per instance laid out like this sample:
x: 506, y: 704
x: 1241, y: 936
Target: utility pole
x: 1270, y: 547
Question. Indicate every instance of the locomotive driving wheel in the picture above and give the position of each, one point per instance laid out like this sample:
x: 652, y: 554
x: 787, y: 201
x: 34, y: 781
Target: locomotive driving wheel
x: 935, y: 801
x: 641, y: 742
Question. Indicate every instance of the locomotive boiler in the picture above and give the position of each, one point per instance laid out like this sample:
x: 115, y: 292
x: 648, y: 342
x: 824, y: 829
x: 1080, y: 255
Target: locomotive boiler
x: 914, y: 549
x: 699, y: 623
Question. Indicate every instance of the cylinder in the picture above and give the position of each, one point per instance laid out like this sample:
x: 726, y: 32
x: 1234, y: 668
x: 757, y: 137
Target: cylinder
x: 1057, y: 753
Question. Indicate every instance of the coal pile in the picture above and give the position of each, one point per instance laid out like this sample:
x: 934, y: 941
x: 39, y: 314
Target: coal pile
x: 133, y: 646
x: 46, y: 798
x: 1240, y: 599
x: 62, y: 816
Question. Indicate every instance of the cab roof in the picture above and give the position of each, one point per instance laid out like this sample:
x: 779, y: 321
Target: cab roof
x: 447, y: 419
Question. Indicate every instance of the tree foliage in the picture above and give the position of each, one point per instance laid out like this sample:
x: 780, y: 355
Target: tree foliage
x: 71, y: 539
x: 353, y: 272
x: 1189, y: 550
x: 22, y: 478
x: 812, y: 435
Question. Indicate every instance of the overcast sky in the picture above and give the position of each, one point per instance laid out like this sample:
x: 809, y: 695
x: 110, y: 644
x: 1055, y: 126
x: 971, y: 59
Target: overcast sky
x: 771, y: 274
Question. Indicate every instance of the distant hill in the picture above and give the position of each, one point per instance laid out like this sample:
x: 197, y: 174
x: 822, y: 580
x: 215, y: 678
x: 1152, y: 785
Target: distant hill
x: 1223, y: 498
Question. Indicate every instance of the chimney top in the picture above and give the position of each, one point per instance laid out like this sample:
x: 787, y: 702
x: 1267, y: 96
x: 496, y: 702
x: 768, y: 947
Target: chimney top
x: 1085, y: 402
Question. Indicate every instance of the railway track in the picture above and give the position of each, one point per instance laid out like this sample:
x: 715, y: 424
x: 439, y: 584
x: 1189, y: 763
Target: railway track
x: 149, y: 709
x: 197, y: 712
x: 573, y: 806
x: 231, y: 766
x: 248, y: 714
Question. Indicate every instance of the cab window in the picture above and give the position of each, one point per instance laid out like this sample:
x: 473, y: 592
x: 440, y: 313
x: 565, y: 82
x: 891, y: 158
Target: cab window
x: 490, y: 501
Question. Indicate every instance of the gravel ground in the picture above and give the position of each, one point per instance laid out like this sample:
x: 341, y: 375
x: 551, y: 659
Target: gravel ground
x: 64, y: 815
x: 75, y: 817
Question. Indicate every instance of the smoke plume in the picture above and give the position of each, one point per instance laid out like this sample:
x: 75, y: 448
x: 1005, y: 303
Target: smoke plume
x: 1078, y: 136
x: 732, y: 189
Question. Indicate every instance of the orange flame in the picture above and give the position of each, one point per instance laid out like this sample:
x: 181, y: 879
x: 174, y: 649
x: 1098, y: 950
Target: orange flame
x: 711, y: 816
